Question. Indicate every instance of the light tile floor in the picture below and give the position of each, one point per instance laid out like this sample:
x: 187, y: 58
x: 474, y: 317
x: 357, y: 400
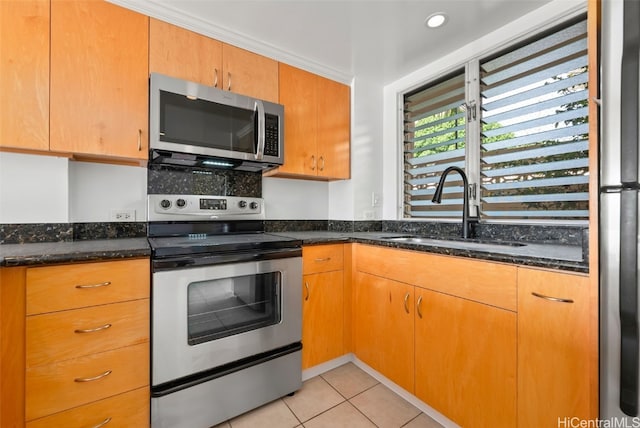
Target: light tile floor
x: 345, y: 397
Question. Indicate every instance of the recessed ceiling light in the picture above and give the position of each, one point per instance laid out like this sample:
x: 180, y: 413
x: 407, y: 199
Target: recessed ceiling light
x: 436, y: 20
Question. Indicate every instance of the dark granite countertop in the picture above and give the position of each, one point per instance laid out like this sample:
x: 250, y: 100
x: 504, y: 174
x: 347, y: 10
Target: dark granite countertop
x: 41, y: 253
x: 553, y: 256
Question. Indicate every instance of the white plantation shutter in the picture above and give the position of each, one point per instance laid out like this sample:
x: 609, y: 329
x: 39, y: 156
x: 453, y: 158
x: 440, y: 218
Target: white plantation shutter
x: 534, y: 152
x: 434, y: 138
x: 532, y: 134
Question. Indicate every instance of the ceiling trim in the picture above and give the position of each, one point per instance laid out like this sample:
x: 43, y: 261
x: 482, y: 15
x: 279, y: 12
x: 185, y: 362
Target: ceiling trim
x: 164, y: 12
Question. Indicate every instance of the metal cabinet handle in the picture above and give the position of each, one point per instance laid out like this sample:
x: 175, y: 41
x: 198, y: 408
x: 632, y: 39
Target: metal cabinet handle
x: 418, y: 308
x: 139, y: 139
x: 102, y: 284
x: 553, y: 299
x: 406, y: 303
x: 215, y: 77
x: 321, y: 168
x: 91, y: 379
x: 313, y: 162
x: 229, y: 81
x: 306, y: 286
x: 103, y: 423
x: 93, y: 330
x: 326, y: 259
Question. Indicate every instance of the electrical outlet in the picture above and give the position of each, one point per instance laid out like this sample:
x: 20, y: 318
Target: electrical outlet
x: 375, y: 199
x: 122, y: 215
x: 369, y: 214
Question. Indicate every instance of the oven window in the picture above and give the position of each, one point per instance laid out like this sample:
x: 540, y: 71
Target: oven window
x: 224, y: 307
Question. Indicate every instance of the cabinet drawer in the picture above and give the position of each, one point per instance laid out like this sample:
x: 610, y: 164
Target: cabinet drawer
x: 56, y: 387
x: 56, y: 288
x: 481, y: 281
x: 130, y: 409
x: 70, y: 334
x: 322, y: 258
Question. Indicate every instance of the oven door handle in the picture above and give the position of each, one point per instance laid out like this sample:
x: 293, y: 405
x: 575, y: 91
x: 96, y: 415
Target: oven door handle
x: 173, y: 263
x: 259, y: 108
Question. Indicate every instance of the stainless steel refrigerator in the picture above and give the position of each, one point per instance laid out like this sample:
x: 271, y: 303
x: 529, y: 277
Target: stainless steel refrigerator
x: 619, y: 185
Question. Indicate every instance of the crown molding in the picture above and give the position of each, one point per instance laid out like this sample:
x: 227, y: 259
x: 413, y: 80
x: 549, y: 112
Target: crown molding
x: 168, y: 13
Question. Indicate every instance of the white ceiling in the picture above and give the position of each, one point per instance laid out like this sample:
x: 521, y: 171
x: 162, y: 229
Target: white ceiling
x: 382, y: 39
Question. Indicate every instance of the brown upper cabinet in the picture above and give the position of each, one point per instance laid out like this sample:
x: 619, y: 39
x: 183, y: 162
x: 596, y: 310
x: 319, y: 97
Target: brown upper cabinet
x: 99, y: 79
x: 74, y: 78
x: 24, y: 74
x: 317, y: 126
x: 181, y: 53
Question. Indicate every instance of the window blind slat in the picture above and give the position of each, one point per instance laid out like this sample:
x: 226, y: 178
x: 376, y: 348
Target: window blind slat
x: 582, y: 196
x: 546, y: 182
x: 560, y: 149
x: 554, y: 120
x: 555, y: 134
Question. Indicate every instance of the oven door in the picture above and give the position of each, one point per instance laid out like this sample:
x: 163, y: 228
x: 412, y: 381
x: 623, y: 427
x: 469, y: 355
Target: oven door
x: 205, y: 317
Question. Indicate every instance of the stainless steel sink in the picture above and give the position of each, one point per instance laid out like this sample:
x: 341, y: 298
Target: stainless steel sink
x: 479, y: 244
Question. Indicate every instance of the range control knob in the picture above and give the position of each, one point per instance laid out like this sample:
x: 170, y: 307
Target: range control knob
x: 242, y: 204
x: 181, y: 203
x: 254, y: 205
x: 165, y: 203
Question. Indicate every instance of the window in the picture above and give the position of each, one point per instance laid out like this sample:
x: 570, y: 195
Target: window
x: 523, y: 145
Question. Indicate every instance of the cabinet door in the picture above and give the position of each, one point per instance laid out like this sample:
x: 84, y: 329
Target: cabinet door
x: 322, y: 318
x: 554, y: 349
x: 24, y: 74
x: 248, y: 73
x: 334, y: 133
x: 383, y: 327
x: 299, y: 97
x: 466, y: 360
x: 181, y: 53
x: 99, y: 79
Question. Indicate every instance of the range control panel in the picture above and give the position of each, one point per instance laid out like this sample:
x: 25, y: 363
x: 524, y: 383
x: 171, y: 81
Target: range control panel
x: 202, y: 207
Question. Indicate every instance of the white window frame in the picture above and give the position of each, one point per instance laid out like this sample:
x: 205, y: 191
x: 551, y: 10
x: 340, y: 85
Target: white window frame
x: 540, y: 20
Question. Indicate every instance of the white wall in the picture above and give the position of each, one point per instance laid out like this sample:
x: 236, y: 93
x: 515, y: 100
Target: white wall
x: 95, y: 189
x: 547, y: 16
x: 288, y: 199
x: 33, y: 189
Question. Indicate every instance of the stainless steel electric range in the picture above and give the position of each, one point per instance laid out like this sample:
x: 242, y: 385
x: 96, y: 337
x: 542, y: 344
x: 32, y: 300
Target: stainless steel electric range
x: 226, y: 309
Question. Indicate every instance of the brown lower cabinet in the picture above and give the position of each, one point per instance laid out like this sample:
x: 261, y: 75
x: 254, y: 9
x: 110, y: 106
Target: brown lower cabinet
x: 75, y: 344
x: 484, y: 343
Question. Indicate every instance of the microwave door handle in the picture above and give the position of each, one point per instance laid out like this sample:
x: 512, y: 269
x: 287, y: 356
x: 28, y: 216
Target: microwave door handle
x: 259, y: 108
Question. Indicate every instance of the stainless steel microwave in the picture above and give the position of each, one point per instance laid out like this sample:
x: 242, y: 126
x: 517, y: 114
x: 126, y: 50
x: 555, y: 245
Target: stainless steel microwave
x: 193, y: 124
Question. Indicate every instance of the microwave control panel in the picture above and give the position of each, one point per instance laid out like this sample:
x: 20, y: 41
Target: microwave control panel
x: 271, y: 138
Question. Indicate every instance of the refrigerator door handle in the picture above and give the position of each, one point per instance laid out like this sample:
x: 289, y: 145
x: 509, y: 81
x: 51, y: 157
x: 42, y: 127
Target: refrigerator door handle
x: 629, y: 348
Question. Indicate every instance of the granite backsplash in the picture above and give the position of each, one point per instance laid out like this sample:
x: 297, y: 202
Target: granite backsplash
x: 172, y: 179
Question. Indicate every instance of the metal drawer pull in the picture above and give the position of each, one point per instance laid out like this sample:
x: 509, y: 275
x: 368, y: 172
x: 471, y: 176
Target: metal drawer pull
x: 229, y: 85
x: 306, y: 285
x: 322, y: 159
x: 103, y: 423
x: 102, y: 284
x: 93, y: 330
x: 418, y: 306
x: 139, y: 139
x: 326, y: 259
x: 215, y: 77
x: 91, y: 379
x: 406, y: 303
x: 553, y: 299
x: 313, y: 162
